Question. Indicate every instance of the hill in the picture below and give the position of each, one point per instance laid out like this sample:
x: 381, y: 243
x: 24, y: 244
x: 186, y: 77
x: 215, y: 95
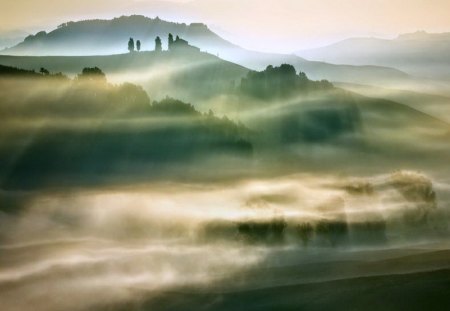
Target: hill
x: 104, y: 37
x: 190, y: 76
x: 86, y: 130
x: 422, y: 54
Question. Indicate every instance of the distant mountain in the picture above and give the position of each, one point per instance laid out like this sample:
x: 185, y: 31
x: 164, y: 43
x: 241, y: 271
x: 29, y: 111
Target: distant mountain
x: 104, y: 37
x: 11, y: 38
x: 421, y: 54
x: 435, y: 105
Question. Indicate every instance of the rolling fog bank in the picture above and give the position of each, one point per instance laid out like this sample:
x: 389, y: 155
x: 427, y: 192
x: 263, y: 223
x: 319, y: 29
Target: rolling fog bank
x: 131, y: 247
x: 111, y: 199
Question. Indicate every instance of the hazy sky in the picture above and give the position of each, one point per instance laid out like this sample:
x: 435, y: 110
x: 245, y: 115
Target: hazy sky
x: 270, y: 25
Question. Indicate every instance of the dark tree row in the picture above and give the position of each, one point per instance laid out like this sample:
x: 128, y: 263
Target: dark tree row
x: 132, y: 47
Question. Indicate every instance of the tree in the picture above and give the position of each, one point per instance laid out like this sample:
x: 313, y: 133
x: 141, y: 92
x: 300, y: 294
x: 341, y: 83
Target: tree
x: 279, y: 82
x: 138, y: 45
x: 170, y: 40
x: 305, y: 232
x: 44, y: 71
x: 92, y: 74
x: 158, y: 45
x: 131, y: 45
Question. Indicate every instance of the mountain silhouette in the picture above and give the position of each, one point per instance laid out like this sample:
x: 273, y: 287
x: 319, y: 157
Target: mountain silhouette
x: 420, y: 53
x: 104, y: 37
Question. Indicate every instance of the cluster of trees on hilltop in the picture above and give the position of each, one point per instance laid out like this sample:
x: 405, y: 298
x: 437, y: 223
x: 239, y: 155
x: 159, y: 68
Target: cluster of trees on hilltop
x: 279, y: 82
x: 178, y: 44
x: 132, y: 47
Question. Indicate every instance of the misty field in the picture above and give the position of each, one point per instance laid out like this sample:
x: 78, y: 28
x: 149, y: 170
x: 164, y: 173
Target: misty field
x: 198, y: 175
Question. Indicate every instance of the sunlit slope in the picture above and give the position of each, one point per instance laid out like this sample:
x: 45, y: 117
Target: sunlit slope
x: 177, y: 74
x: 93, y: 37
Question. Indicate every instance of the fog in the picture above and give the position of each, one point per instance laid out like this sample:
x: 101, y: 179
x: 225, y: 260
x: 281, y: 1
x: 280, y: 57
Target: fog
x: 111, y: 246
x: 115, y: 196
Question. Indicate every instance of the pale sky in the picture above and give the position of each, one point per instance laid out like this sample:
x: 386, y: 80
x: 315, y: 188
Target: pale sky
x: 268, y: 25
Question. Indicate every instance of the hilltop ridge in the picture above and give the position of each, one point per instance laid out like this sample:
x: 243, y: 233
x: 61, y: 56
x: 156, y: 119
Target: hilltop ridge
x: 106, y: 37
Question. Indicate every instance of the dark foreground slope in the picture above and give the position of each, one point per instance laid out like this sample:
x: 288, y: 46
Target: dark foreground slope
x: 416, y: 281
x: 415, y: 291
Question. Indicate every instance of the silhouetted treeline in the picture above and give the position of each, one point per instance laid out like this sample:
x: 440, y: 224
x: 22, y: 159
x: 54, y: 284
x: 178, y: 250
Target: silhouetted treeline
x: 279, y: 82
x: 13, y: 71
x: 9, y: 71
x: 278, y: 230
